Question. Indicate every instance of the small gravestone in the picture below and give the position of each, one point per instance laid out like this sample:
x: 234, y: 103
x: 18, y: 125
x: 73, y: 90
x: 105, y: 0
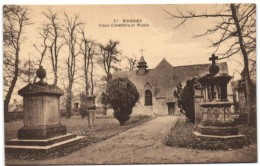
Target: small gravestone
x: 216, y: 119
x: 42, y: 129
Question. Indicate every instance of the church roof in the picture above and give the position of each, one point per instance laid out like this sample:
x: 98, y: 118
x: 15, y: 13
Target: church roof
x: 163, y: 64
x: 141, y: 59
x: 164, y: 77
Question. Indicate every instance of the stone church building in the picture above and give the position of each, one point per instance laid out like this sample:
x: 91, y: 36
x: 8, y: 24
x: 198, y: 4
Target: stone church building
x: 156, y: 86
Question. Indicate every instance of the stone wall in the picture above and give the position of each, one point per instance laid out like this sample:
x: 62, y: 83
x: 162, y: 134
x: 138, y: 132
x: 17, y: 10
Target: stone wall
x: 158, y: 108
x: 161, y: 107
x: 13, y: 116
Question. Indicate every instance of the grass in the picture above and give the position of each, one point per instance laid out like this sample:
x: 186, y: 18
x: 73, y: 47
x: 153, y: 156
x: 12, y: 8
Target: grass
x: 182, y: 136
x: 106, y: 126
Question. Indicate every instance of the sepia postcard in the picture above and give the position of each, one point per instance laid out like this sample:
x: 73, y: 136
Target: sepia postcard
x: 129, y: 84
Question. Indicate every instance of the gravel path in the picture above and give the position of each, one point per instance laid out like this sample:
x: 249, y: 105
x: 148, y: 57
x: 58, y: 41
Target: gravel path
x: 144, y: 144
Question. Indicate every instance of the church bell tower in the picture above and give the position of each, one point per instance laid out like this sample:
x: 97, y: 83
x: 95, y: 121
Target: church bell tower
x: 142, y: 66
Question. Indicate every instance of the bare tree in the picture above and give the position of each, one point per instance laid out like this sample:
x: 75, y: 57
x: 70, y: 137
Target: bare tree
x: 15, y: 19
x: 237, y: 28
x: 109, y: 57
x: 28, y: 70
x: 42, y: 48
x: 71, y: 39
x: 55, y: 36
x: 88, y: 51
x: 132, y: 62
x: 91, y: 76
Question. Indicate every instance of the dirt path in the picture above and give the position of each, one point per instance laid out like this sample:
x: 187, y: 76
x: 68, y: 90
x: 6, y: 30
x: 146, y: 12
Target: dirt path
x: 144, y: 144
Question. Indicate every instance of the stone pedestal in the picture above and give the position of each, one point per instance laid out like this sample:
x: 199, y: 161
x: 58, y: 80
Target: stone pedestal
x: 217, y: 119
x: 91, y: 117
x: 91, y: 110
x: 41, y: 115
x: 42, y: 128
x: 198, y: 98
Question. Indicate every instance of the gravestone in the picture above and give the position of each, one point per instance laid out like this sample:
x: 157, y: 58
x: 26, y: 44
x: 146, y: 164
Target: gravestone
x: 215, y: 110
x: 42, y: 128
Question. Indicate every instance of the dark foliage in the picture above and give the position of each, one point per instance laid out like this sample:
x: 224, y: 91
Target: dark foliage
x: 185, y: 99
x: 177, y: 94
x: 182, y: 136
x: 122, y: 96
x: 104, y: 99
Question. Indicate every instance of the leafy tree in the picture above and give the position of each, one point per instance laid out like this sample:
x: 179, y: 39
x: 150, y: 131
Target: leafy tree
x: 122, y: 96
x: 109, y: 57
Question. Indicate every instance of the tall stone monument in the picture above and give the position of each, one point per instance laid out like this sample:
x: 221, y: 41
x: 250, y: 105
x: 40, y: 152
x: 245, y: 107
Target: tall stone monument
x: 42, y: 128
x: 216, y: 117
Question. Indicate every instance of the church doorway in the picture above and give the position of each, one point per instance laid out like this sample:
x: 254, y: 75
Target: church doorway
x: 148, y: 98
x: 171, y: 108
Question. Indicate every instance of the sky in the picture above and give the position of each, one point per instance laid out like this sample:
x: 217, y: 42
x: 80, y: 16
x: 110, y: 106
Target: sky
x: 159, y: 38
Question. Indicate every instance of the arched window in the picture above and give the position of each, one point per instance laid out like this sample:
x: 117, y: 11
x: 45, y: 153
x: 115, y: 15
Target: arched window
x: 148, y: 98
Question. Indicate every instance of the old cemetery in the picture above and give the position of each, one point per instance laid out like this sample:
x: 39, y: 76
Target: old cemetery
x: 213, y: 120
x: 44, y: 134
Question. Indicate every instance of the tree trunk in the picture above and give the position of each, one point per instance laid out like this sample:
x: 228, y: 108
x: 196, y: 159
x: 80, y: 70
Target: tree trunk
x: 6, y: 103
x: 55, y: 77
x: 91, y: 76
x: 86, y: 83
x: 246, y: 66
x: 69, y: 99
x: 11, y: 88
x: 86, y: 67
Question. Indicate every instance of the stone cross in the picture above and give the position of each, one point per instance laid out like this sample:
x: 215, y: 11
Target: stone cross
x: 213, y: 58
x: 141, y: 50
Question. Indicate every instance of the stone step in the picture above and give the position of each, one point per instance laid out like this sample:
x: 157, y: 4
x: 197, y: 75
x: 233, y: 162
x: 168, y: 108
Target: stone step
x: 199, y: 135
x: 37, y: 148
x: 40, y: 142
x: 216, y: 130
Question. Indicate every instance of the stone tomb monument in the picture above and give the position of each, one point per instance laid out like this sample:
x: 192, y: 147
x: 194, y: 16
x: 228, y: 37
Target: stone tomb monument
x: 215, y: 110
x: 42, y: 129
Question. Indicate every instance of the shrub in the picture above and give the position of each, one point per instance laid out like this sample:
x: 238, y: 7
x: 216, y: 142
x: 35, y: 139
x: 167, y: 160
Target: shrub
x: 122, y: 96
x: 185, y: 99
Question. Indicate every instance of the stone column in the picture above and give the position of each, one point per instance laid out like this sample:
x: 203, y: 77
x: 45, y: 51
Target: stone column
x: 91, y: 110
x: 198, y: 99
